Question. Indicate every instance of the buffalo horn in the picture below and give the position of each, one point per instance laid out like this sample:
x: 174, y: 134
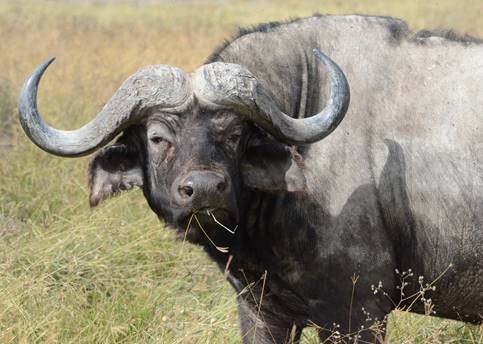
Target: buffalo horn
x: 232, y: 86
x: 159, y: 85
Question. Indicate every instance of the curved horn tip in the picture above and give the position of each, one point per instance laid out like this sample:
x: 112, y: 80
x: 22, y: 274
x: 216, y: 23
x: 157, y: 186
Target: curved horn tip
x: 49, y: 60
x: 318, y: 53
x: 35, y: 77
x: 324, y: 58
x: 25, y: 96
x: 321, y: 56
x: 41, y: 69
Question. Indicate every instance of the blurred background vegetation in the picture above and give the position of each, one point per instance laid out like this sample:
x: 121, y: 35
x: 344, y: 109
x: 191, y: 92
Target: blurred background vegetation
x: 72, y: 275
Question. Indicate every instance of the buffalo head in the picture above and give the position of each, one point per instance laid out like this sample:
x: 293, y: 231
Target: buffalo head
x: 195, y: 143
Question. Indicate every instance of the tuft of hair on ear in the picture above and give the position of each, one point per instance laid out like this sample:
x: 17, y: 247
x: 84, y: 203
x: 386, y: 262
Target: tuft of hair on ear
x: 274, y: 167
x: 113, y: 169
x: 97, y: 193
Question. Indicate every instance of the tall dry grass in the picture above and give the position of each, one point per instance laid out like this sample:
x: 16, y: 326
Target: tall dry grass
x: 70, y: 275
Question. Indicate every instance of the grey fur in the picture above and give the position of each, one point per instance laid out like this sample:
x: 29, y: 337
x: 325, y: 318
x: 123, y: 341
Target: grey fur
x: 398, y: 28
x: 449, y: 35
x: 398, y: 185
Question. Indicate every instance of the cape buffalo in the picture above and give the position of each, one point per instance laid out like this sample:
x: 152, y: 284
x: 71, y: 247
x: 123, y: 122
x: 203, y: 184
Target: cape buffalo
x: 322, y: 227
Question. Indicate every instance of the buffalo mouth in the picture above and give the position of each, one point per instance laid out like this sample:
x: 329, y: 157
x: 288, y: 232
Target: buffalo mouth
x: 207, y: 223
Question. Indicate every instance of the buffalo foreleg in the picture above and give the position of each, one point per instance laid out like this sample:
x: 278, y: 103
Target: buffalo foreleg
x: 260, y: 325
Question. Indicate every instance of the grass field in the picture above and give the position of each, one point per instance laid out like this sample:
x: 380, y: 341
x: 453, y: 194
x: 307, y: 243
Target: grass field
x: 116, y: 275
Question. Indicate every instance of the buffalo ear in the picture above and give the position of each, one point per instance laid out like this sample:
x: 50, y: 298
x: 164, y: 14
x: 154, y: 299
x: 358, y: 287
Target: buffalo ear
x: 273, y: 167
x: 113, y: 169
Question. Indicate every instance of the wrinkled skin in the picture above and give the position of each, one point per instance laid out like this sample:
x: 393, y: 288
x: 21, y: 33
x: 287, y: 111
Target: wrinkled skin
x: 169, y: 149
x: 396, y: 186
x: 198, y: 141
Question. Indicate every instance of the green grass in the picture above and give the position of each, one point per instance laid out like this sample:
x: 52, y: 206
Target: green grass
x: 116, y: 275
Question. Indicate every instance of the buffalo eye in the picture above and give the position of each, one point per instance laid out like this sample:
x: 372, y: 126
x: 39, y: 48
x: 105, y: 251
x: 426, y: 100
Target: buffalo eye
x: 157, y: 140
x: 160, y: 144
x: 159, y: 135
x: 231, y: 141
x: 160, y: 148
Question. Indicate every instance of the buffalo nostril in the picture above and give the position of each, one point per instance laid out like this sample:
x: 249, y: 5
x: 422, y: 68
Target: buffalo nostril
x: 221, y: 186
x: 186, y: 191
